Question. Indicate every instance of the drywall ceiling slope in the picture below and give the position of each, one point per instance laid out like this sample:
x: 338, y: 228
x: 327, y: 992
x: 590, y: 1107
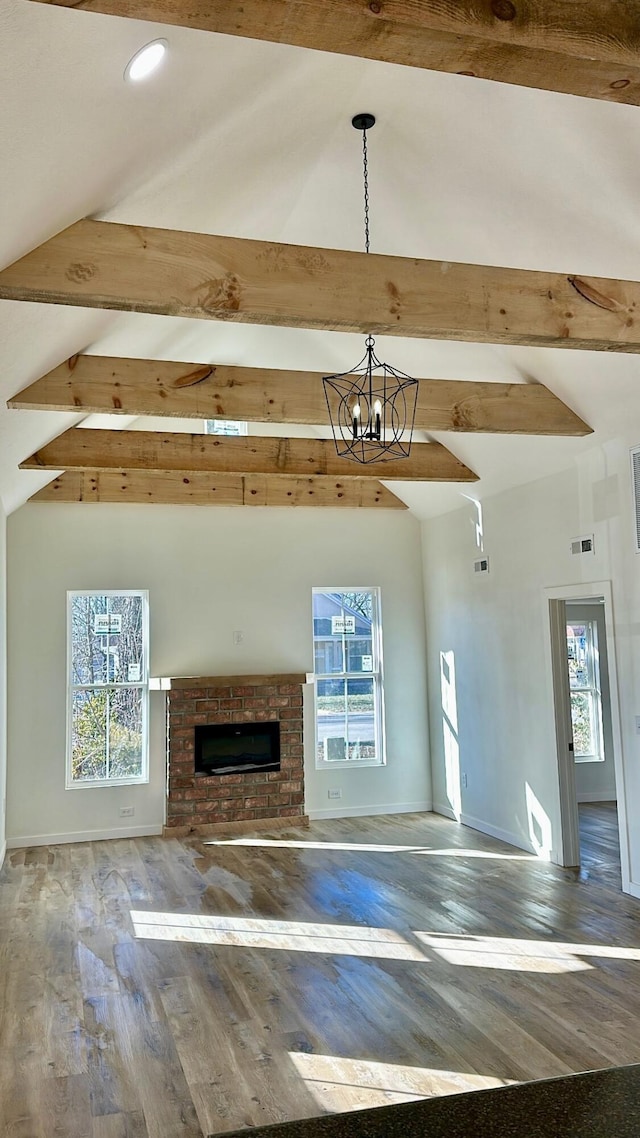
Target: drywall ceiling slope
x: 254, y: 140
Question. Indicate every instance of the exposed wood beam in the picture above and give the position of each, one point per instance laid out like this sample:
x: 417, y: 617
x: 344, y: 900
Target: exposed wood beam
x: 82, y: 449
x: 98, y: 264
x: 99, y: 384
x: 583, y: 47
x: 175, y: 488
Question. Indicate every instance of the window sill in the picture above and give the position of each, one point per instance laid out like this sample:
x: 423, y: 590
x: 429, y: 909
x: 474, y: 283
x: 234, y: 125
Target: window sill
x: 348, y: 764
x: 106, y: 784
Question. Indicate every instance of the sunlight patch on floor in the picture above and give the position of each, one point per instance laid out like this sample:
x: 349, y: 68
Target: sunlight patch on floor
x: 360, y: 847
x: 339, y: 1084
x: 521, y: 955
x: 501, y: 953
x: 293, y: 936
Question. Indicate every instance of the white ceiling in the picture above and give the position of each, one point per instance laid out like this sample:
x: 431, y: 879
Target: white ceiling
x: 254, y: 140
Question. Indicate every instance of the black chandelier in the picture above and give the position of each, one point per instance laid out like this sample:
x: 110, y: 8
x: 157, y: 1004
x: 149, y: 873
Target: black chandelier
x: 372, y: 407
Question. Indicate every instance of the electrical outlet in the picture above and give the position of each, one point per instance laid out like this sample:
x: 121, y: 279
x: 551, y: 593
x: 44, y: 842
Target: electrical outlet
x: 637, y: 724
x: 238, y: 637
x: 463, y: 779
x: 127, y: 811
x: 334, y: 792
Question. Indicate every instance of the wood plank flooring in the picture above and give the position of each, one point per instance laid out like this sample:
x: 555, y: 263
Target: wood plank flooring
x: 156, y: 988
x: 600, y: 843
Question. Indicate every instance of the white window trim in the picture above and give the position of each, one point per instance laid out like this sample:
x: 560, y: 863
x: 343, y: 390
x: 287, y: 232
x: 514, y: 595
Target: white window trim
x: 143, y: 777
x: 378, y: 689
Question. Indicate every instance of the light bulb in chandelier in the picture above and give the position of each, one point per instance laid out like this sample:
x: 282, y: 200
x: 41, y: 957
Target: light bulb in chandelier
x: 356, y: 419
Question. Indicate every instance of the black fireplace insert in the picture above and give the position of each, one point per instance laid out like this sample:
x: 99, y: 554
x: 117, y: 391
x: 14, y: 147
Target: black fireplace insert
x: 236, y: 748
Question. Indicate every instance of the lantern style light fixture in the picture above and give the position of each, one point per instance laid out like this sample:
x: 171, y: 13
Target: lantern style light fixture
x: 372, y: 407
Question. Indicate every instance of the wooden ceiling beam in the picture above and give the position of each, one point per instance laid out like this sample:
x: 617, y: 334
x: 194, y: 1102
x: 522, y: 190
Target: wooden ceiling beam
x: 84, y: 449
x: 589, y: 48
x: 98, y: 264
x: 176, y: 488
x: 104, y: 385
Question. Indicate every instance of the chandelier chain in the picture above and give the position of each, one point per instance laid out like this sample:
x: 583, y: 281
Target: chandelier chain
x: 371, y: 407
x: 365, y: 171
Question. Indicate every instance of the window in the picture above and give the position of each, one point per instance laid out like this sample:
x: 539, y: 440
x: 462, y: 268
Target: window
x: 347, y: 647
x: 225, y: 427
x: 584, y: 682
x: 107, y: 739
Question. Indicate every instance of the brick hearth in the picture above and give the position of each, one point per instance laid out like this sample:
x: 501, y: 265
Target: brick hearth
x: 234, y: 798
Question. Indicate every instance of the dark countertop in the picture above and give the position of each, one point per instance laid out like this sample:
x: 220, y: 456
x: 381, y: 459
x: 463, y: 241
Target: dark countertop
x: 598, y: 1104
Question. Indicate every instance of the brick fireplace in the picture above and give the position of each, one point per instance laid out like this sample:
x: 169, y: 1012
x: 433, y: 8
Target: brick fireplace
x: 241, y: 800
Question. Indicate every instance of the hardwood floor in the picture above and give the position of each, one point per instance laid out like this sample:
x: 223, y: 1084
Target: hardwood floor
x: 600, y: 843
x: 173, y: 988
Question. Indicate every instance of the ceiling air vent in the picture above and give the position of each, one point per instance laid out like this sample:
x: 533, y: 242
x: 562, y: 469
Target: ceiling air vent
x: 635, y: 474
x: 481, y: 565
x: 583, y: 545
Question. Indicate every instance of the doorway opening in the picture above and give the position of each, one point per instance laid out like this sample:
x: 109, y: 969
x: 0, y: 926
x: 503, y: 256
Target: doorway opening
x: 590, y: 773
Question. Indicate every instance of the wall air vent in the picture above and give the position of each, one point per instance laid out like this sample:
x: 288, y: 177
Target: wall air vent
x: 481, y: 565
x: 583, y: 545
x: 635, y: 475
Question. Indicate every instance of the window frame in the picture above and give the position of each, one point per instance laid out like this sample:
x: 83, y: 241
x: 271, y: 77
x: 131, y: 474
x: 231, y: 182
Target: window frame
x: 142, y: 685
x: 376, y: 674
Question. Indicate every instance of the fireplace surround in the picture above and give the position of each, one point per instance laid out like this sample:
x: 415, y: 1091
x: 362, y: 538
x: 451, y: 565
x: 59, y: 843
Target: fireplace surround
x: 251, y: 798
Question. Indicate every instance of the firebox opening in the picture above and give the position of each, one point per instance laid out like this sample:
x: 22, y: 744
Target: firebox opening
x: 235, y: 748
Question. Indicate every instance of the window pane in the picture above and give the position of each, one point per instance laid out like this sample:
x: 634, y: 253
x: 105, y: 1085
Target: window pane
x: 580, y: 655
x: 106, y: 639
x: 88, y: 648
x: 331, y: 720
x: 89, y: 739
x: 360, y: 654
x: 360, y: 603
x: 126, y: 647
x: 361, y: 722
x: 329, y: 655
x: 344, y: 619
x: 125, y: 733
x: 582, y: 722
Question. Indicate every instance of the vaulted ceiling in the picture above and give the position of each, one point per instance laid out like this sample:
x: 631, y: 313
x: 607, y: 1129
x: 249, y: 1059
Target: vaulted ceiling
x: 253, y: 140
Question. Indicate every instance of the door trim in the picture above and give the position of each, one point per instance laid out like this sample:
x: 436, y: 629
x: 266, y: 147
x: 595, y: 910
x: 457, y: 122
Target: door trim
x: 569, y: 820
x: 587, y: 591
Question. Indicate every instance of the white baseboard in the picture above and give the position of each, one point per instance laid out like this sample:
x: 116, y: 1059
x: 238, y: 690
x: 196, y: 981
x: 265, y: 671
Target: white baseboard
x: 3, y: 850
x: 595, y: 796
x: 83, y: 836
x: 446, y: 811
x: 496, y: 832
x: 365, y: 811
x: 485, y: 828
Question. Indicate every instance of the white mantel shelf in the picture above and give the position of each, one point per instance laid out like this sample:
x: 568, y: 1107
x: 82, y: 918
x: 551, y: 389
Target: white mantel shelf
x: 182, y: 682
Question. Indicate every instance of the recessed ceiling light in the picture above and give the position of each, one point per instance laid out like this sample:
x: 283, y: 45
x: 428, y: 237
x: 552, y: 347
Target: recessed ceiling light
x: 145, y: 61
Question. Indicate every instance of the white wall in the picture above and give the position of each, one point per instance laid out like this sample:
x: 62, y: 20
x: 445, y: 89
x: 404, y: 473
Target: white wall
x: 209, y: 572
x: 3, y: 682
x: 496, y: 627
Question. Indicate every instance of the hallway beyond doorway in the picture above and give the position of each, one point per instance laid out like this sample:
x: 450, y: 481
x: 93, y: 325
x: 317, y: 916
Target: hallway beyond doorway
x: 600, y: 843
